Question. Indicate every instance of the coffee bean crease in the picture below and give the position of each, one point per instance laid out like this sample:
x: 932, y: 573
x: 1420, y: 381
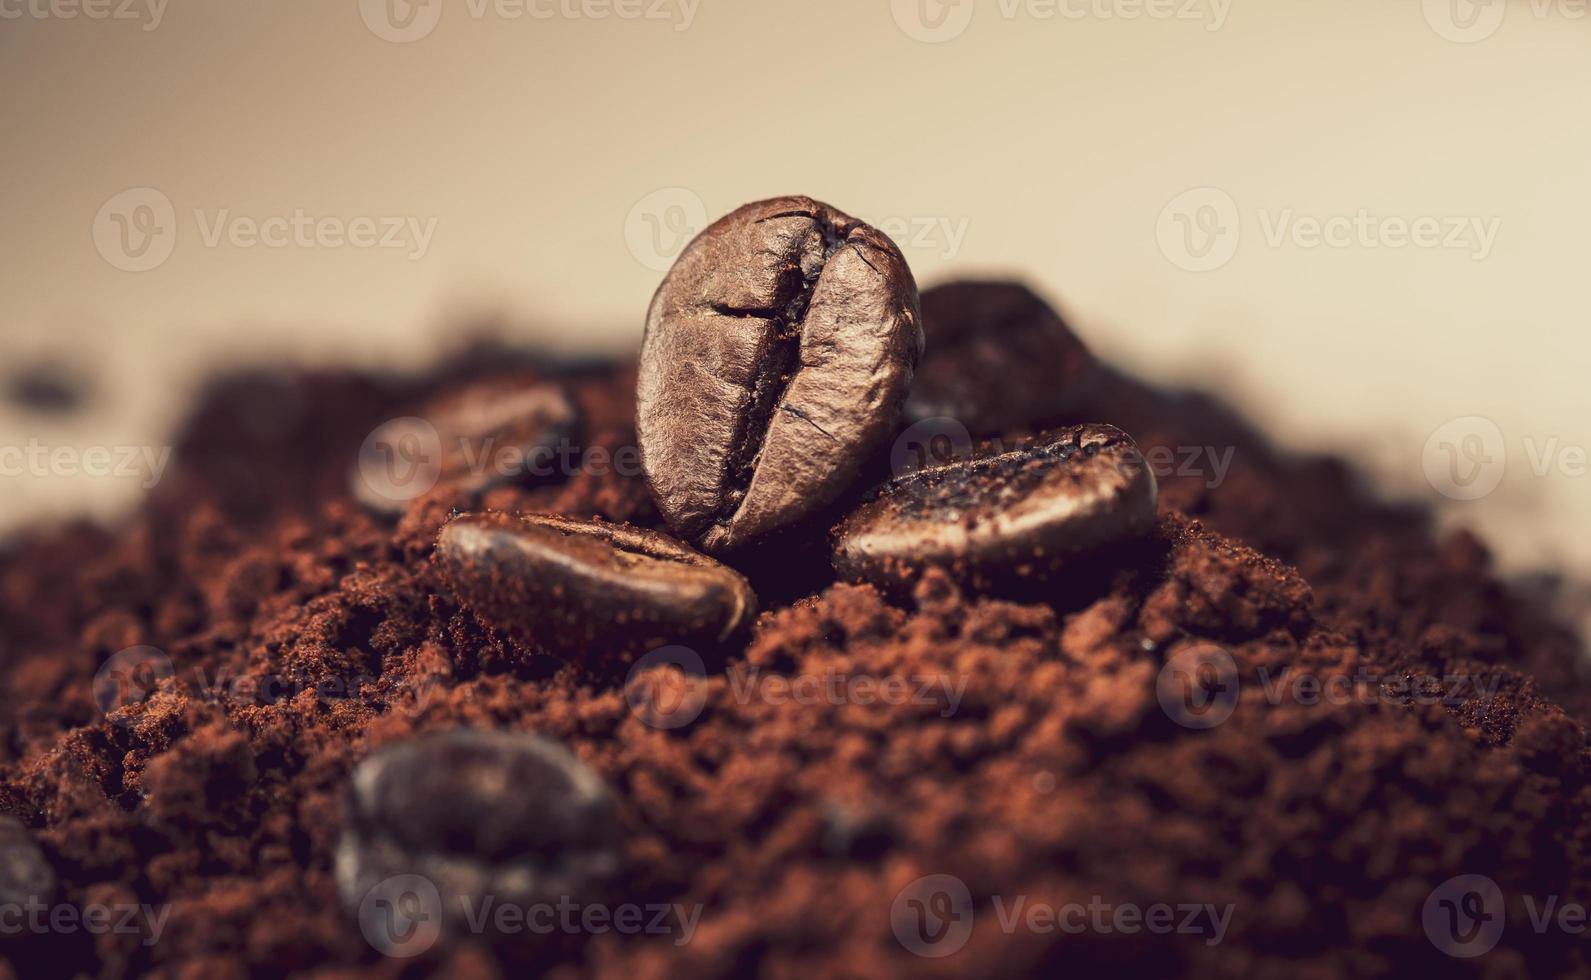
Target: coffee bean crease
x: 778, y: 352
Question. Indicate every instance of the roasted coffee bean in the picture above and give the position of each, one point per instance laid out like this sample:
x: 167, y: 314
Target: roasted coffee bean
x: 25, y: 875
x: 48, y: 388
x: 589, y: 586
x: 1021, y: 513
x: 491, y: 433
x: 778, y: 352
x: 998, y: 358
x: 475, y: 815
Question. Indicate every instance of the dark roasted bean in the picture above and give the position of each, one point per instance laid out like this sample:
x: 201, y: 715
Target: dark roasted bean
x: 1024, y: 513
x: 778, y: 352
x: 468, y: 818
x: 998, y: 358
x: 25, y: 876
x: 586, y: 586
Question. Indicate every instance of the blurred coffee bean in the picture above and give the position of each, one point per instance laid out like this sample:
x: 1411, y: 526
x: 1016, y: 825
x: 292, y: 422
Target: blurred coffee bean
x: 590, y: 587
x: 998, y: 358
x: 456, y: 818
x: 491, y: 433
x: 1022, y: 513
x: 502, y: 431
x: 25, y: 876
x: 48, y: 388
x: 778, y: 352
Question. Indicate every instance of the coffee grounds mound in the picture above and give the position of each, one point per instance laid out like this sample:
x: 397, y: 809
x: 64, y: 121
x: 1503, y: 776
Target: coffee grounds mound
x: 1035, y: 761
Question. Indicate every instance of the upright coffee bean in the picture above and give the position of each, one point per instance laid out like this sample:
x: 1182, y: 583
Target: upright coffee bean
x: 778, y: 352
x: 1023, y: 513
x: 589, y: 587
x: 466, y: 816
x: 25, y: 875
x: 998, y: 359
x: 467, y: 441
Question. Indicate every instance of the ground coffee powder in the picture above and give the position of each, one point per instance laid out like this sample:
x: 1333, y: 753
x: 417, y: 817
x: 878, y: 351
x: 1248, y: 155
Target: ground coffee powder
x: 1036, y: 752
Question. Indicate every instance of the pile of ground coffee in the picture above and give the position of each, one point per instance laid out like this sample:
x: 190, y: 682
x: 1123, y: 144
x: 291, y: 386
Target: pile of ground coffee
x: 1263, y: 742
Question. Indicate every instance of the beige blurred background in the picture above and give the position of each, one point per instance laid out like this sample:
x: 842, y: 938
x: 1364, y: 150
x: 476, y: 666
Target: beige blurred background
x: 1361, y: 219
